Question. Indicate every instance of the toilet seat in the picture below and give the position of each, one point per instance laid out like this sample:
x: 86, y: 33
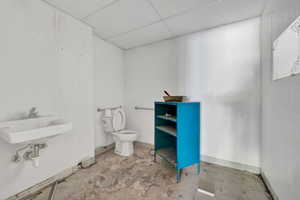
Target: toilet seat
x: 118, y: 120
x: 126, y: 135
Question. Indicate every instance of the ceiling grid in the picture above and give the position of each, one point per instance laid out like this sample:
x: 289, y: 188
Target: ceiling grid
x: 131, y: 23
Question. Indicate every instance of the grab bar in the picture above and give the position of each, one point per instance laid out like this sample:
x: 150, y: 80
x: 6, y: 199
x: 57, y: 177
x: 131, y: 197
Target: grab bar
x: 142, y: 108
x: 111, y: 108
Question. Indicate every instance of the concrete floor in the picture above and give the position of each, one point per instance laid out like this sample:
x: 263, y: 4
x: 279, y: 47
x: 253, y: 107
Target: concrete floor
x: 138, y: 177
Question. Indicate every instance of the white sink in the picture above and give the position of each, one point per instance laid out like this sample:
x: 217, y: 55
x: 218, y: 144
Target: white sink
x: 27, y: 130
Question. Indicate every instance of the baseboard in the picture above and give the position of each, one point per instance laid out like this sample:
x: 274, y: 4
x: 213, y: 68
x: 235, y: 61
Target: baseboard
x: 144, y: 143
x: 86, y: 163
x: 101, y: 150
x: 268, y: 185
x: 230, y: 164
x: 62, y: 175
x: 58, y: 177
x: 34, y: 189
x: 225, y: 163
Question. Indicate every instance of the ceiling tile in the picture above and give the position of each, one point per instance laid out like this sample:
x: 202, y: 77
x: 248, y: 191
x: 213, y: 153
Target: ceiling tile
x: 168, y: 8
x: 80, y: 8
x: 149, y: 34
x: 225, y: 12
x: 122, y: 16
x: 276, y: 5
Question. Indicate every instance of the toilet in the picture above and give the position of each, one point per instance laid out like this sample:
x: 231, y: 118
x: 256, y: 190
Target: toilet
x: 114, y: 122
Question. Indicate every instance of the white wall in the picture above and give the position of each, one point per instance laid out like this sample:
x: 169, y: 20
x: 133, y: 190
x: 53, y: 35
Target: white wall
x: 46, y: 60
x: 220, y: 68
x: 281, y: 110
x: 109, y: 78
x: 148, y: 71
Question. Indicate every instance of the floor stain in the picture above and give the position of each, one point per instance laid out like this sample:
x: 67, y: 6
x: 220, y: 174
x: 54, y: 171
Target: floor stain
x: 139, y: 178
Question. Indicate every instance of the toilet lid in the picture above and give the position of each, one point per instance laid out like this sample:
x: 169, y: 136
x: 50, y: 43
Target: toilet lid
x: 119, y: 120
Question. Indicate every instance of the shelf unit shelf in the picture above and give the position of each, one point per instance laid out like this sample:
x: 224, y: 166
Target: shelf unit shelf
x: 168, y: 154
x: 177, y: 134
x: 170, y: 118
x: 168, y: 129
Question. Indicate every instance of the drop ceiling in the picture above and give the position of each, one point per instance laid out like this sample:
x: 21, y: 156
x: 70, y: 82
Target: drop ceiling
x: 132, y: 23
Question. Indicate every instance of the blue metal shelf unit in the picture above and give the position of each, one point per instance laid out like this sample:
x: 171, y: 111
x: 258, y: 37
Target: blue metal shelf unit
x: 177, y: 134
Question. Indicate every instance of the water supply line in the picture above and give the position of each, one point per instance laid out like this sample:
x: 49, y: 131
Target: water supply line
x: 32, y: 153
x: 17, y: 158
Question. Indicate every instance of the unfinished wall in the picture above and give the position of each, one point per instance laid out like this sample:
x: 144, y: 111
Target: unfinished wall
x: 219, y: 67
x: 281, y: 110
x: 148, y: 71
x: 109, y: 84
x: 46, y: 60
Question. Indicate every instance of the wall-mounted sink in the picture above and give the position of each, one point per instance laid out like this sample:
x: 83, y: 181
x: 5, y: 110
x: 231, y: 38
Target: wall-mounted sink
x: 28, y: 130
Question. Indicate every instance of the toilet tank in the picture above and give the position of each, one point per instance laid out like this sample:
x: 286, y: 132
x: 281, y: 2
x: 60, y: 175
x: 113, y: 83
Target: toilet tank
x: 107, y: 124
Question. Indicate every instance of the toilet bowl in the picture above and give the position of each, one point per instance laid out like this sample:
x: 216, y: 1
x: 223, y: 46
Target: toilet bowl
x: 124, y: 142
x: 114, y: 123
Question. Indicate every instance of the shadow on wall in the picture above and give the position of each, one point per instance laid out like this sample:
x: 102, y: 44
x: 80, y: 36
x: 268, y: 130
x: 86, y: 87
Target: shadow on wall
x: 240, y: 99
x: 218, y: 67
x: 222, y: 70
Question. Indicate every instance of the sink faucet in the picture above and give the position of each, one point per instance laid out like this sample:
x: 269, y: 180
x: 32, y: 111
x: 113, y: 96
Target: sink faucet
x: 33, y: 113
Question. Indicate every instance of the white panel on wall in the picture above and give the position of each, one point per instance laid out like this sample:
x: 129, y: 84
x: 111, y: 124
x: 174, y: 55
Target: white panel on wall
x: 280, y: 108
x: 76, y: 70
x: 148, y: 71
x: 49, y: 67
x: 20, y: 58
x: 286, y: 52
x: 220, y: 68
x: 109, y: 83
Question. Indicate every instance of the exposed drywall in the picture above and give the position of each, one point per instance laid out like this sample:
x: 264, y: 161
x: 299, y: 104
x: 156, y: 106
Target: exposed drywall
x: 281, y: 111
x: 148, y: 71
x: 219, y: 67
x: 46, y: 61
x: 109, y: 84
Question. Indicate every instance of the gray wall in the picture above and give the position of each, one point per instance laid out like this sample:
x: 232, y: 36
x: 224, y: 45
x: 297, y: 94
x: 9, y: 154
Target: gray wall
x: 219, y: 67
x: 280, y: 108
x: 46, y: 61
x: 109, y: 84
